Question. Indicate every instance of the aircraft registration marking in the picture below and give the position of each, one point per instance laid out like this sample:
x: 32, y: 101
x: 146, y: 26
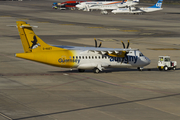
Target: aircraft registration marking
x: 48, y: 48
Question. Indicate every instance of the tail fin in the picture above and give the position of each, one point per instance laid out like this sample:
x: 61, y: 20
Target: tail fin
x: 157, y: 5
x: 30, y: 41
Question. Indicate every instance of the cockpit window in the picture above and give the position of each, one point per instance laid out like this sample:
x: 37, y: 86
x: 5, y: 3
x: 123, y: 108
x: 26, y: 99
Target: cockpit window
x: 140, y: 54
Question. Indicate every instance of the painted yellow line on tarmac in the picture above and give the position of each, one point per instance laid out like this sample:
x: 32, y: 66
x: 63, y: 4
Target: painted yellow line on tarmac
x: 163, y: 48
x: 113, y: 29
x: 95, y: 27
x: 67, y: 24
x: 129, y: 30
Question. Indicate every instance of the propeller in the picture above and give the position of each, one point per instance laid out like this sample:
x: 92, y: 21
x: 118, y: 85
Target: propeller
x: 128, y: 45
x: 96, y: 43
x: 125, y: 56
x: 124, y: 44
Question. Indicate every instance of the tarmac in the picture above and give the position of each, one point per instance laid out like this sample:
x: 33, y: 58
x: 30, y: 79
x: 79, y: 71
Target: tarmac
x: 35, y: 91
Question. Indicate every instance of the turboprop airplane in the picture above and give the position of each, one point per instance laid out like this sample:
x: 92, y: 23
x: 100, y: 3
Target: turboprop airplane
x: 112, y: 6
x: 85, y: 5
x: 82, y: 58
x: 134, y: 10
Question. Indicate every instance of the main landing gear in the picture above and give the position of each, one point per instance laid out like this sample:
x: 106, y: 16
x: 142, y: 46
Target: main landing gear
x: 96, y: 70
x: 140, y: 68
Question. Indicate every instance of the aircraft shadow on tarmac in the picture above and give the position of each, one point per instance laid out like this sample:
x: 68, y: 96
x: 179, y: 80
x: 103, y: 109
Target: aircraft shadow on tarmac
x: 173, y: 13
x: 110, y: 70
x: 98, y: 106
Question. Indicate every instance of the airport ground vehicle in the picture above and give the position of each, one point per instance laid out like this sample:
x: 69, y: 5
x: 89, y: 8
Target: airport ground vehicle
x: 165, y: 63
x: 66, y: 5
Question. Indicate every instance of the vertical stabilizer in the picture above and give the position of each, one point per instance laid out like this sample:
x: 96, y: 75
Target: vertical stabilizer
x: 23, y: 36
x: 30, y: 41
x: 157, y: 5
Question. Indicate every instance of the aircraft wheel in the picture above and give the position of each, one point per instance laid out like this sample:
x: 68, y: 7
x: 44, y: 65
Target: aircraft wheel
x: 81, y: 70
x: 96, y: 70
x: 140, y: 68
x: 165, y: 68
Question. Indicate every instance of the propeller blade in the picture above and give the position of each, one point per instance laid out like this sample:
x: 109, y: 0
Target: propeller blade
x: 123, y: 44
x: 95, y: 42
x: 100, y: 44
x: 128, y: 44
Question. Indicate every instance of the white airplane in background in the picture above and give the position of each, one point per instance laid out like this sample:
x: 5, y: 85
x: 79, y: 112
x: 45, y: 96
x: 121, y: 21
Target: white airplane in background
x: 82, y: 58
x: 112, y: 6
x: 134, y: 10
x: 85, y: 5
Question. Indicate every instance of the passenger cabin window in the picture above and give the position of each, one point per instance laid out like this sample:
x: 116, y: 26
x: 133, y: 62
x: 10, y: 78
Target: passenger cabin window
x: 79, y: 57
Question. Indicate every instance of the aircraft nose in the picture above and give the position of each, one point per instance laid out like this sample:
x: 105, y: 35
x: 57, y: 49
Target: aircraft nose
x: 147, y: 61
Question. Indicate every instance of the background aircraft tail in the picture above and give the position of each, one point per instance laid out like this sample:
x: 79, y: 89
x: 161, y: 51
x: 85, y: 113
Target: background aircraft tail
x: 30, y: 41
x: 157, y: 5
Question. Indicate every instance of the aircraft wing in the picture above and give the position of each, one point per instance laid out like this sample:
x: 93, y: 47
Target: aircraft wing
x: 114, y: 52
